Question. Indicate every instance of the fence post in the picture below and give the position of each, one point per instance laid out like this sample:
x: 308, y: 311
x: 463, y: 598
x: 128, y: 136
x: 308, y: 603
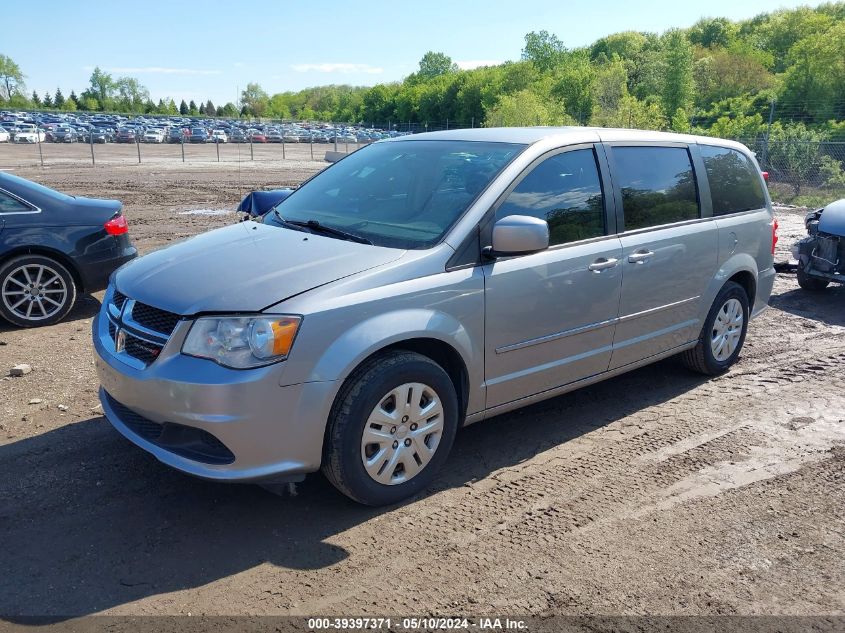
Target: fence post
x: 218, y: 150
x: 472, y: 125
x: 183, y: 147
x: 283, y: 148
x: 138, y: 145
x: 38, y: 138
x: 311, y: 143
x: 766, y: 139
x: 91, y: 140
x: 251, y: 154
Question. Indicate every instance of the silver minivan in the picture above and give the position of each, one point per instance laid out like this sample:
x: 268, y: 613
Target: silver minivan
x: 428, y: 282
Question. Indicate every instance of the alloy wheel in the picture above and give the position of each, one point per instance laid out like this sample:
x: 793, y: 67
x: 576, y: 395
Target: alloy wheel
x: 34, y: 292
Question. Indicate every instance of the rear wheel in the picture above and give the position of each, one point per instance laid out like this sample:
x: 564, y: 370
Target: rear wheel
x: 723, y: 333
x: 391, y: 428
x: 808, y: 282
x: 35, y: 290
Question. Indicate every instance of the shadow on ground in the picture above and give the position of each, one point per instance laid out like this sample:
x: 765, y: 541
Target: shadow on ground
x: 89, y: 522
x: 827, y: 306
x: 86, y: 307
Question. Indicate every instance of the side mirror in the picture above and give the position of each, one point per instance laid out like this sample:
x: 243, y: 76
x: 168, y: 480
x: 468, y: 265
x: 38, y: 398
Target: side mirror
x: 519, y: 234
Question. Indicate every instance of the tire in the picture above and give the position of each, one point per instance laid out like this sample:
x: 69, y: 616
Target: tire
x: 54, y: 299
x: 813, y: 284
x: 709, y: 356
x: 402, y: 466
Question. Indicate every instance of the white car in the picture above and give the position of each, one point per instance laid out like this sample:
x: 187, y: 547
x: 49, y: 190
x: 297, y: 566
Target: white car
x: 219, y: 136
x: 153, y: 136
x: 4, y: 136
x: 29, y: 134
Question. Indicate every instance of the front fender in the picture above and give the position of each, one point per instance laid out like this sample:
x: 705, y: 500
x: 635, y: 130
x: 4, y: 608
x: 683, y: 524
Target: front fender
x: 383, y: 330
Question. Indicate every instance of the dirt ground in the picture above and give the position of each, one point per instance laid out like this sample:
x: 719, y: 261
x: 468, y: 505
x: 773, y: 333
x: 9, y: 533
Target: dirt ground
x: 658, y: 492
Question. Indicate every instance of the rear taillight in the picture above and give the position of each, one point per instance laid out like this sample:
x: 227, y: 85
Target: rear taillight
x: 765, y: 176
x: 774, y: 235
x: 117, y: 225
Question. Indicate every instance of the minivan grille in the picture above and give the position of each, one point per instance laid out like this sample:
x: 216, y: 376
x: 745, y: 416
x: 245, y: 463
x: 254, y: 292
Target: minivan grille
x: 145, y: 329
x: 154, y: 318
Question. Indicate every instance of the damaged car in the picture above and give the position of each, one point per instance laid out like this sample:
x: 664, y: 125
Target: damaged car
x: 821, y: 255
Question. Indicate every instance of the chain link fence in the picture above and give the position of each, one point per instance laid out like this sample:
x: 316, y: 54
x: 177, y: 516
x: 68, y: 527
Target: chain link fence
x: 801, y: 172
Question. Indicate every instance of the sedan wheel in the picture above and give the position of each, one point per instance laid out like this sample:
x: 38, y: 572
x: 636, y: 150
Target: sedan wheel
x: 35, y: 290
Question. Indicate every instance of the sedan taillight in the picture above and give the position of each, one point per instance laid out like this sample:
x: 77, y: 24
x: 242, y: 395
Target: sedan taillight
x: 117, y: 225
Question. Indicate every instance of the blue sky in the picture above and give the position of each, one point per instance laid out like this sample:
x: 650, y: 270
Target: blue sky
x: 210, y: 49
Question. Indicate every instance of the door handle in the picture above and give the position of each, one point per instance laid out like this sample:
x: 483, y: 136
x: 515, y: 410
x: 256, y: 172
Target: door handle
x: 640, y: 257
x: 603, y: 263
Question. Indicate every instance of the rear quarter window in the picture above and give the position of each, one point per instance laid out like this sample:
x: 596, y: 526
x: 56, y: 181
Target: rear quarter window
x: 734, y: 182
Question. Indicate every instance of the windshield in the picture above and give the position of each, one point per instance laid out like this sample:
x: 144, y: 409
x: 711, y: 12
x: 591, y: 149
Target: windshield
x: 401, y: 194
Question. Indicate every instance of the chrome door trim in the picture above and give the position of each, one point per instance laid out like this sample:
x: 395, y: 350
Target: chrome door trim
x: 557, y: 335
x: 33, y: 208
x: 591, y: 326
x: 650, y: 311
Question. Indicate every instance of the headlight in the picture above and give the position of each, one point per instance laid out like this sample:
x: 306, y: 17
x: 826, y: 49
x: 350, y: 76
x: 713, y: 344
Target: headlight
x: 242, y: 342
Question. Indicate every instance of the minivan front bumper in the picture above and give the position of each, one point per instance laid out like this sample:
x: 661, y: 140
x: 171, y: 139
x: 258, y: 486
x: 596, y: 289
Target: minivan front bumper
x: 210, y: 421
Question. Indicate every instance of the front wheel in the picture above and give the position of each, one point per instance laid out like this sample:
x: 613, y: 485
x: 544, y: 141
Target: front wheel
x: 723, y: 333
x: 391, y: 428
x: 807, y: 282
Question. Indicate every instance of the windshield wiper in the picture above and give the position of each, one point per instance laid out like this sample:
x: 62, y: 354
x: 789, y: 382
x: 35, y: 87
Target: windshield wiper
x: 315, y: 226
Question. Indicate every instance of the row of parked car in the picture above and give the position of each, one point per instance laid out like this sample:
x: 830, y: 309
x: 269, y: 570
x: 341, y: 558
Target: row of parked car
x: 73, y: 128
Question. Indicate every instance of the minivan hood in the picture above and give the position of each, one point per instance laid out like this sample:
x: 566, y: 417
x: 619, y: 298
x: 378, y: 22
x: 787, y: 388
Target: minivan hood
x: 245, y: 267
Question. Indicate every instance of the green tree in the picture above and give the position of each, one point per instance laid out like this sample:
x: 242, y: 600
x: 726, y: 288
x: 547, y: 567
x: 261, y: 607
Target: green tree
x: 254, y: 99
x: 523, y: 108
x: 713, y: 32
x: 11, y: 78
x: 102, y: 86
x: 610, y: 86
x: 678, y: 83
x: 795, y: 152
x: 229, y: 110
x: 815, y: 79
x: 48, y: 101
x: 192, y: 108
x: 631, y: 112
x: 202, y: 108
x: 433, y: 64
x: 59, y: 99
x: 574, y: 86
x: 74, y: 98
x: 210, y: 110
x: 36, y: 100
x: 543, y: 49
x: 131, y: 95
x: 183, y: 108
x: 70, y: 105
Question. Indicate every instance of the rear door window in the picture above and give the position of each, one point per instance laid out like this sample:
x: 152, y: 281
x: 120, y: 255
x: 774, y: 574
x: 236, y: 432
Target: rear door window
x: 564, y: 190
x: 658, y: 186
x: 734, y: 182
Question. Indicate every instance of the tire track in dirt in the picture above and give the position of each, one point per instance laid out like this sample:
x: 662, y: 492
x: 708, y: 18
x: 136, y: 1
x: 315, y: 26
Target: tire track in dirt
x: 571, y: 488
